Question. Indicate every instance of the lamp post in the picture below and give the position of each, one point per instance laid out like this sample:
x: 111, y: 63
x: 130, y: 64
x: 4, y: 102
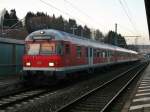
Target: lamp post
x: 2, y: 19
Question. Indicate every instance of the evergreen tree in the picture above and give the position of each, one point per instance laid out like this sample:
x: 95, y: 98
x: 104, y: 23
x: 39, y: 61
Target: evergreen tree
x: 6, y: 21
x: 86, y: 32
x: 28, y: 21
x: 72, y: 24
x: 40, y: 14
x: 110, y: 38
x: 121, y: 41
x: 99, y: 35
x: 80, y: 30
x: 66, y: 26
x: 53, y: 24
x: 59, y: 23
x: 13, y: 17
x: 115, y: 39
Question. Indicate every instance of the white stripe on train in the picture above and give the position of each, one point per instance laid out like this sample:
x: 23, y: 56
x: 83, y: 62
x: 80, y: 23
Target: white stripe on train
x: 70, y: 68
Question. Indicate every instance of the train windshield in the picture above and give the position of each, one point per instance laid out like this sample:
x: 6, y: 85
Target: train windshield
x: 41, y: 48
x: 33, y: 49
x: 47, y: 48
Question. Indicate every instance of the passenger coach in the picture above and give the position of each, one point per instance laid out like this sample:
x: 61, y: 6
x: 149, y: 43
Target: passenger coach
x: 54, y: 53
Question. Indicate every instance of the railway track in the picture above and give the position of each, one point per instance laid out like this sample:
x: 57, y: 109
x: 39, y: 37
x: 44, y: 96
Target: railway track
x: 100, y: 98
x: 7, y: 103
x: 12, y: 88
x: 11, y: 101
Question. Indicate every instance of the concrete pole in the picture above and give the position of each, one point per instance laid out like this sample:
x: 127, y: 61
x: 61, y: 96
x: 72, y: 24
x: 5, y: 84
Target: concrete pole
x: 116, y: 40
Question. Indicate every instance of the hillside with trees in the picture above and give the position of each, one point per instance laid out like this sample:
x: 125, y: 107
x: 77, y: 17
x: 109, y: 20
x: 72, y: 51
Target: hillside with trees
x: 115, y: 39
x: 41, y: 20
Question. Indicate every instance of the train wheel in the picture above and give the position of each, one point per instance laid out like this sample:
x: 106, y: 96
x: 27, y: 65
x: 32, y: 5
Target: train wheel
x: 26, y: 79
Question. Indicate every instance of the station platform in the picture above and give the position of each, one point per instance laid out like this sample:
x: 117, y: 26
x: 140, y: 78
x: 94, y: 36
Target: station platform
x: 141, y: 99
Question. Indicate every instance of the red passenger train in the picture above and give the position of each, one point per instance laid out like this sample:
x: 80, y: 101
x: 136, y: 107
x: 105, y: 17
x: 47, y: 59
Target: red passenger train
x: 55, y: 53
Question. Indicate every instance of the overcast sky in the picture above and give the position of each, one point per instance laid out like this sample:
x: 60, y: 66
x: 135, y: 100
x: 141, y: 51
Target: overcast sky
x: 130, y: 15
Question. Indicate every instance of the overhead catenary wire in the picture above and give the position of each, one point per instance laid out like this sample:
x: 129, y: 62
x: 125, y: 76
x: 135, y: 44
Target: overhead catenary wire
x: 128, y: 9
x: 52, y: 6
x: 82, y: 12
x: 140, y: 32
x: 125, y: 28
x: 128, y: 16
x: 131, y: 15
x: 85, y: 14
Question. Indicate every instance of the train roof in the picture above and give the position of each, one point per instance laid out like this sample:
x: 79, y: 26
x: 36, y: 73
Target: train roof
x: 60, y: 35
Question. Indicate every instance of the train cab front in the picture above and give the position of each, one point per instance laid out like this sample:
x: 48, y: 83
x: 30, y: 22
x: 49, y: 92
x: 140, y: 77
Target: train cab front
x: 43, y: 57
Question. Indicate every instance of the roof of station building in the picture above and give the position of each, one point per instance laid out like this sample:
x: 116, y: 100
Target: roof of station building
x: 11, y: 41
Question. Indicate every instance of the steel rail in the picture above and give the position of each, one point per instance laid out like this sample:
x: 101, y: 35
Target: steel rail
x: 16, y: 99
x: 122, y: 89
x: 68, y: 105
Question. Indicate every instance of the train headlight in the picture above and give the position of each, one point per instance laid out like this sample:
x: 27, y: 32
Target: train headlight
x: 28, y: 64
x: 51, y: 64
x: 42, y: 32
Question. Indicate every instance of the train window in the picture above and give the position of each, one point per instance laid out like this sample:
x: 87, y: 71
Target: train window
x: 103, y: 54
x: 78, y: 51
x: 110, y: 53
x: 33, y: 49
x: 107, y: 53
x: 97, y: 53
x: 113, y: 53
x: 67, y: 49
x: 100, y: 53
x: 47, y: 48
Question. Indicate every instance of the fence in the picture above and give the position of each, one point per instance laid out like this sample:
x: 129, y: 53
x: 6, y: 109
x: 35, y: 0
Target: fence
x: 11, y: 52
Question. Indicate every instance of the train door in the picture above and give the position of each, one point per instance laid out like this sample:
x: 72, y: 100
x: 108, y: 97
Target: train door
x: 90, y: 56
x: 67, y: 57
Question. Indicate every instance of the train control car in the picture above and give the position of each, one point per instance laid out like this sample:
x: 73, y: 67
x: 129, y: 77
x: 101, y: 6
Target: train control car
x: 54, y: 53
